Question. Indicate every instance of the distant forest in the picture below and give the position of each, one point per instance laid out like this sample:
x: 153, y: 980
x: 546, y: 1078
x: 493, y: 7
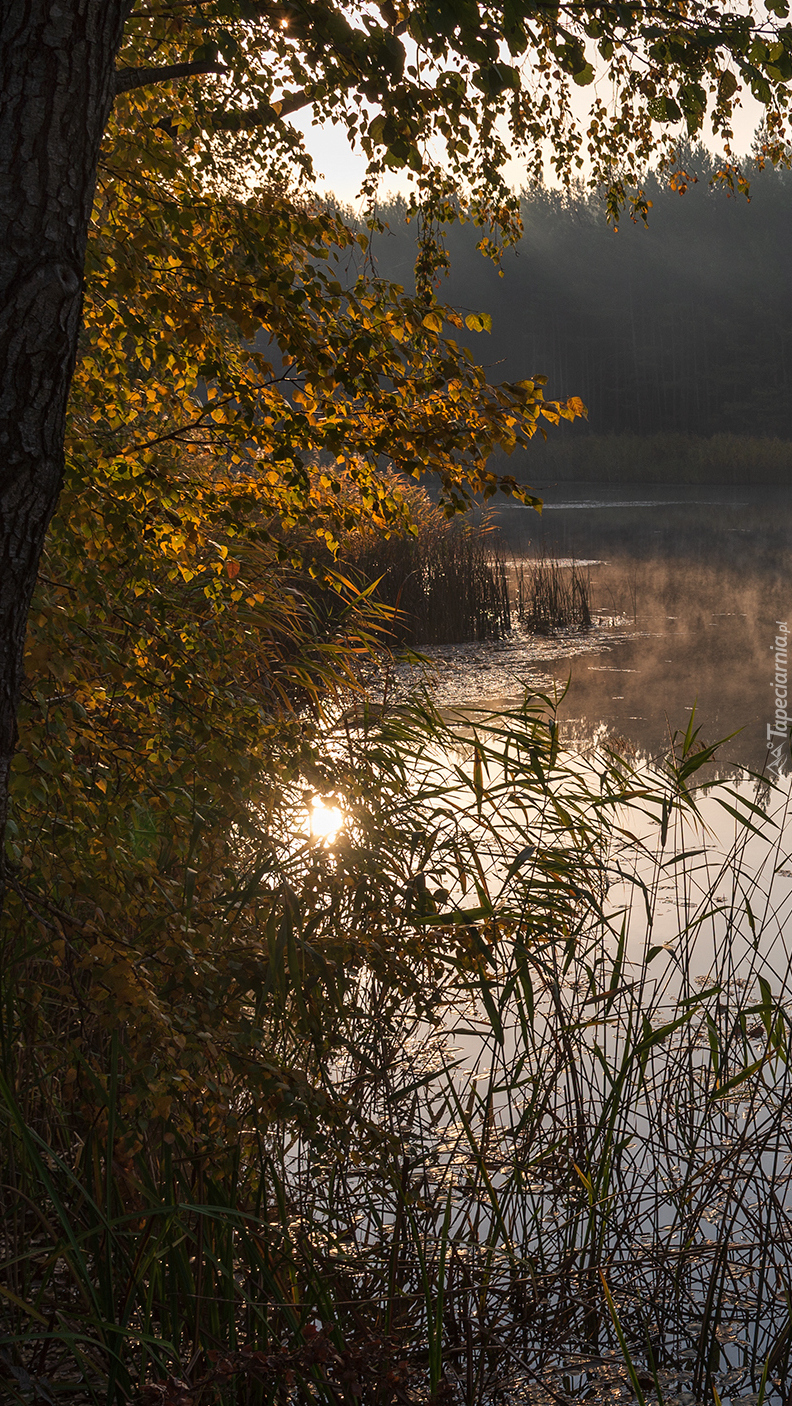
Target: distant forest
x: 682, y: 328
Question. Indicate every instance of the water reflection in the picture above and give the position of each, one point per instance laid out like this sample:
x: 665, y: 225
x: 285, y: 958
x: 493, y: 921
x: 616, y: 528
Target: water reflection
x: 687, y: 588
x: 325, y: 819
x: 658, y: 1133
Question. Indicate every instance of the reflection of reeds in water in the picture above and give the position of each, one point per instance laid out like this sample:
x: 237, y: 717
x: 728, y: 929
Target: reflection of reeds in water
x: 447, y: 585
x: 552, y: 598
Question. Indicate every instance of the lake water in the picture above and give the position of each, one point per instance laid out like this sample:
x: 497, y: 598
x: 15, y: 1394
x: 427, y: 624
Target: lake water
x: 687, y: 585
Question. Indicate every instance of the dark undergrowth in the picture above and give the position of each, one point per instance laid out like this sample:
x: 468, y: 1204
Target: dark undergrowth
x: 659, y: 458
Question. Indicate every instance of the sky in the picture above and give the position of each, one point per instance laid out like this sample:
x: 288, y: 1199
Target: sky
x: 340, y: 170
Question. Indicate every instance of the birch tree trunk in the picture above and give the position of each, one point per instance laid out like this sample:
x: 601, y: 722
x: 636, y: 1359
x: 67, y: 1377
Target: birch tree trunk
x: 57, y: 60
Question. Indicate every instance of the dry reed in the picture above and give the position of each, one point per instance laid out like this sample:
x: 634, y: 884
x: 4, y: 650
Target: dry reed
x: 552, y: 597
x: 446, y: 585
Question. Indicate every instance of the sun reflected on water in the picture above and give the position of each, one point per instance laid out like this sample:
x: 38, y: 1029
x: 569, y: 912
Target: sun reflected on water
x: 325, y: 820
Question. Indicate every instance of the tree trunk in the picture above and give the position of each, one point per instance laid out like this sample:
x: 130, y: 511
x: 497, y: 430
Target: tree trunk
x: 57, y: 61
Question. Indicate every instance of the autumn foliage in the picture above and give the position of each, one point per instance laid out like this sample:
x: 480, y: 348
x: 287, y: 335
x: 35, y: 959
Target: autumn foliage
x: 248, y: 392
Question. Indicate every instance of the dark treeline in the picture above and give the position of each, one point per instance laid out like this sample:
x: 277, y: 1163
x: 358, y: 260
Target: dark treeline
x: 682, y: 327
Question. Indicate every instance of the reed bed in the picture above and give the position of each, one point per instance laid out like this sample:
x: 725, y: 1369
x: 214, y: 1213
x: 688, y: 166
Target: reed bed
x: 446, y: 585
x: 538, y: 1141
x: 552, y: 598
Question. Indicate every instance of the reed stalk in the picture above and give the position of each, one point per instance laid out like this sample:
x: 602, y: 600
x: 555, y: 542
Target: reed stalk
x: 446, y: 585
x: 552, y: 597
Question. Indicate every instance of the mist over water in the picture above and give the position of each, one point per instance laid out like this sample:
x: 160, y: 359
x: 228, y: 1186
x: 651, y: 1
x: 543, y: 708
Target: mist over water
x: 703, y: 577
x: 687, y: 585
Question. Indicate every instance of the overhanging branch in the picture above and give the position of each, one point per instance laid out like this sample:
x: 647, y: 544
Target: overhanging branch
x: 247, y: 119
x: 128, y: 78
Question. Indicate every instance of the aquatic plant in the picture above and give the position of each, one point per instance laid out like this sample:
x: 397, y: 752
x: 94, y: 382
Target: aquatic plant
x: 494, y: 1096
x: 552, y: 596
x: 446, y: 584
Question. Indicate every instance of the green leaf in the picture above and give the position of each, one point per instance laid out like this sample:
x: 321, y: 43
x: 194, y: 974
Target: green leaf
x: 737, y: 1079
x: 727, y: 86
x: 584, y: 76
x: 665, y: 109
x: 377, y: 129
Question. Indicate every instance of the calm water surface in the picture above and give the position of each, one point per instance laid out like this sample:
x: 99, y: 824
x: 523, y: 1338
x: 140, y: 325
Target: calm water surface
x: 686, y: 586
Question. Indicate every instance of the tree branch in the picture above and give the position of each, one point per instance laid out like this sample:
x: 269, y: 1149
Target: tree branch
x: 247, y: 119
x: 127, y: 78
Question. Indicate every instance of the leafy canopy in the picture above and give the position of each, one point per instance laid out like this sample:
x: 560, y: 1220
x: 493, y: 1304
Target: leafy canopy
x: 442, y: 87
x: 245, y: 388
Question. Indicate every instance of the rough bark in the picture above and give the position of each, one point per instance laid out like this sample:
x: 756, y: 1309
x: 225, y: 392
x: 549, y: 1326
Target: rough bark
x: 57, y: 80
